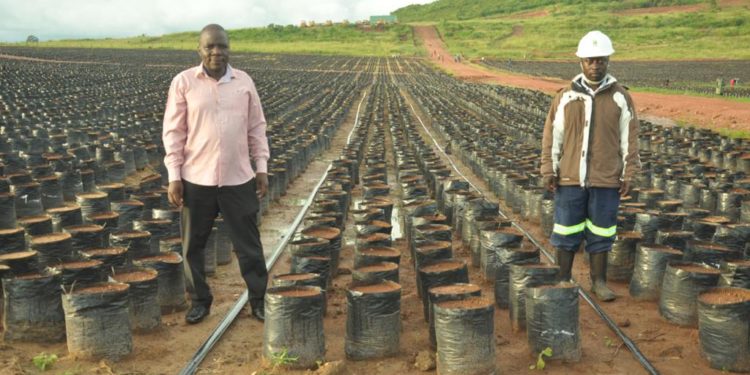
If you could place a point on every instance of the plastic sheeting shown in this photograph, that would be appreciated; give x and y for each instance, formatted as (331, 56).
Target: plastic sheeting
(648, 272)
(32, 309)
(724, 331)
(294, 324)
(145, 311)
(171, 280)
(523, 276)
(465, 335)
(450, 292)
(373, 324)
(735, 274)
(89, 309)
(552, 321)
(621, 259)
(683, 281)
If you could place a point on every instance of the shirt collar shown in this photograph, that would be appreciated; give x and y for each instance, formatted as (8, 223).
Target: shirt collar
(228, 75)
(606, 82)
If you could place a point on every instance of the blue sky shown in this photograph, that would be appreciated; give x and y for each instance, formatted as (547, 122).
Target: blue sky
(62, 19)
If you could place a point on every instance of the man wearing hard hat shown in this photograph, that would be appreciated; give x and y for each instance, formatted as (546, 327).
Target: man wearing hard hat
(589, 159)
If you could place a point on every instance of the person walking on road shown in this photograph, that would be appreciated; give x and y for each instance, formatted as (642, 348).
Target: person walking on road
(589, 159)
(213, 126)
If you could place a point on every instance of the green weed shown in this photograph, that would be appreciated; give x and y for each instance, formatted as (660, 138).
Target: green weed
(43, 361)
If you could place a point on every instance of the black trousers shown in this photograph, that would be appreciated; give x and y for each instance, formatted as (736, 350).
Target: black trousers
(239, 206)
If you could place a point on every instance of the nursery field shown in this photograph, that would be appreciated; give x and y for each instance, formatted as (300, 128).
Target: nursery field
(389, 179)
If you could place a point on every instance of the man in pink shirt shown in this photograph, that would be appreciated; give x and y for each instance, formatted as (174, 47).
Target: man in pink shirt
(213, 126)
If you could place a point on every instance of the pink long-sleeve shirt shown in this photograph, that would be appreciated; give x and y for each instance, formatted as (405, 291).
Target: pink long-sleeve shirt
(212, 129)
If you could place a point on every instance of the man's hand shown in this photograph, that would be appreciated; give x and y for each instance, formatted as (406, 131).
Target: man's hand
(624, 188)
(261, 184)
(549, 183)
(175, 193)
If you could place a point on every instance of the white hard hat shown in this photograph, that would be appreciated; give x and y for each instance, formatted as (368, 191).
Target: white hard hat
(594, 44)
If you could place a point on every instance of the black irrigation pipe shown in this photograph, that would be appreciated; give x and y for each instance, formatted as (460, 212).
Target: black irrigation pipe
(192, 366)
(630, 344)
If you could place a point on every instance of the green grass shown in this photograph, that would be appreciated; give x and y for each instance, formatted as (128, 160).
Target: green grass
(476, 30)
(472, 9)
(735, 134)
(657, 90)
(332, 40)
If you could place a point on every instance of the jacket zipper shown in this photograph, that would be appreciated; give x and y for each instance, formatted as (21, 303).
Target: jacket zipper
(586, 183)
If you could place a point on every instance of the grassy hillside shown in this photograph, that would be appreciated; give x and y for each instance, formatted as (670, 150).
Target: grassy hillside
(471, 9)
(540, 29)
(337, 39)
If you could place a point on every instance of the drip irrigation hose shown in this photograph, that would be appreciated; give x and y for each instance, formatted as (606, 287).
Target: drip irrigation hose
(192, 366)
(603, 315)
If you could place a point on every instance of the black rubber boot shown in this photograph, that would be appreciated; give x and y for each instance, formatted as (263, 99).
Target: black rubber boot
(598, 263)
(565, 262)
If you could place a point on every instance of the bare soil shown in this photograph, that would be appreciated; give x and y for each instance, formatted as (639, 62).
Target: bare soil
(725, 296)
(34, 219)
(455, 289)
(381, 252)
(384, 287)
(102, 288)
(17, 255)
(432, 246)
(135, 277)
(327, 233)
(470, 303)
(78, 265)
(297, 292)
(704, 112)
(443, 266)
(85, 228)
(45, 239)
(379, 267)
(106, 251)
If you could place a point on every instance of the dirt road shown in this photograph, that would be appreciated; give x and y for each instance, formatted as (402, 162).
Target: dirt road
(705, 112)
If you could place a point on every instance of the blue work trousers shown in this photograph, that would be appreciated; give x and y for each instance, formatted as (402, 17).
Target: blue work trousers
(585, 214)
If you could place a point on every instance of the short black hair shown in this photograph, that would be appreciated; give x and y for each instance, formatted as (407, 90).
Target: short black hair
(213, 27)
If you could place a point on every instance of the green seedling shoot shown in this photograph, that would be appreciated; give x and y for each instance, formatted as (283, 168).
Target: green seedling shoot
(43, 361)
(540, 364)
(282, 358)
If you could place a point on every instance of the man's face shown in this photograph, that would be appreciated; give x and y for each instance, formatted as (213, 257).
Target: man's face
(213, 48)
(595, 68)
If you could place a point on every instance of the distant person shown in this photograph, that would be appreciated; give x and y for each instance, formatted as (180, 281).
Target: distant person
(732, 82)
(589, 160)
(212, 122)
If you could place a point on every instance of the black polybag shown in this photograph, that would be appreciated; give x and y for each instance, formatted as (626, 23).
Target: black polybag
(294, 325)
(465, 338)
(373, 324)
(87, 313)
(466, 291)
(678, 302)
(552, 321)
(32, 310)
(735, 274)
(523, 276)
(650, 263)
(429, 276)
(724, 333)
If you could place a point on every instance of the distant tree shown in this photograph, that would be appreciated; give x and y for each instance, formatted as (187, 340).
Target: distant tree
(32, 39)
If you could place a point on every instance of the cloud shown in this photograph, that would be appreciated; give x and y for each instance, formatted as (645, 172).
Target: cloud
(62, 19)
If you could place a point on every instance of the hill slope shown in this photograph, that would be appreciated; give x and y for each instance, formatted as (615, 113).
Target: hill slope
(336, 40)
(544, 29)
